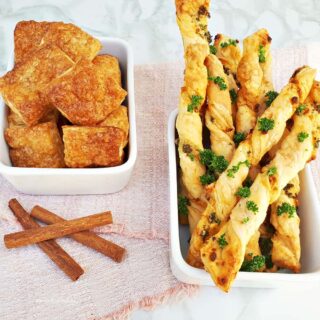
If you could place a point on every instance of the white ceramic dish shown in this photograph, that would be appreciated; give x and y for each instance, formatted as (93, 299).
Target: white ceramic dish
(310, 235)
(77, 181)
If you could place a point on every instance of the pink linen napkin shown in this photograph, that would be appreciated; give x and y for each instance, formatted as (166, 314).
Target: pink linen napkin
(31, 287)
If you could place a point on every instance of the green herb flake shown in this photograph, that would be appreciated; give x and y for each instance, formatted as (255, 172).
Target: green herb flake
(234, 169)
(270, 95)
(230, 42)
(265, 124)
(252, 206)
(222, 242)
(286, 208)
(191, 156)
(207, 179)
(213, 49)
(272, 171)
(243, 192)
(253, 265)
(218, 81)
(301, 108)
(238, 137)
(262, 54)
(245, 220)
(215, 164)
(302, 136)
(195, 103)
(183, 203)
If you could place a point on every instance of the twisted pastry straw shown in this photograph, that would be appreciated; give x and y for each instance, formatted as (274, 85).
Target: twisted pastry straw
(223, 259)
(286, 248)
(223, 197)
(218, 115)
(230, 56)
(254, 76)
(192, 20)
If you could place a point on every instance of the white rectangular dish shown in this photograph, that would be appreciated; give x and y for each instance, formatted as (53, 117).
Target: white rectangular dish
(310, 235)
(77, 181)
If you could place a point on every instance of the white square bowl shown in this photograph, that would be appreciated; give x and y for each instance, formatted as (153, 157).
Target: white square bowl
(67, 181)
(310, 235)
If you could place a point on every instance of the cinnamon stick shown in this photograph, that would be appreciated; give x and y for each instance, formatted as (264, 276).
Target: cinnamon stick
(60, 257)
(87, 238)
(56, 230)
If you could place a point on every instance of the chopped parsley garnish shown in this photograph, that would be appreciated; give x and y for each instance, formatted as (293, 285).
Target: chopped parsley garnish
(262, 54)
(238, 137)
(212, 218)
(245, 220)
(286, 208)
(301, 108)
(265, 124)
(233, 95)
(270, 95)
(235, 169)
(207, 179)
(191, 156)
(252, 206)
(215, 164)
(253, 265)
(230, 42)
(243, 192)
(302, 136)
(195, 103)
(272, 171)
(222, 242)
(219, 81)
(213, 49)
(183, 203)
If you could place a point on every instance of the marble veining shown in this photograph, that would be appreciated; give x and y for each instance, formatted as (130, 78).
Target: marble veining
(150, 27)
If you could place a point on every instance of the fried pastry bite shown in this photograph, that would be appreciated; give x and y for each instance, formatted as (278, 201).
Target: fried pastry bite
(110, 65)
(24, 84)
(39, 146)
(15, 120)
(93, 146)
(77, 44)
(118, 119)
(85, 95)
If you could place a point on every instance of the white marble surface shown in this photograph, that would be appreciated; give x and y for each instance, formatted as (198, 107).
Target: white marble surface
(149, 26)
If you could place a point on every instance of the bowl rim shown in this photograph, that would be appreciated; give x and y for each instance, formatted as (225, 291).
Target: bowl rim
(186, 273)
(132, 153)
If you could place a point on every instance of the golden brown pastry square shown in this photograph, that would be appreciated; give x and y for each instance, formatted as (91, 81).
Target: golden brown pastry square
(15, 120)
(23, 85)
(110, 65)
(39, 146)
(85, 95)
(118, 119)
(76, 43)
(93, 146)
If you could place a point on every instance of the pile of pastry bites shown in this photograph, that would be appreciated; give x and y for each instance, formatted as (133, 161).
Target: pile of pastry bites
(241, 146)
(64, 100)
